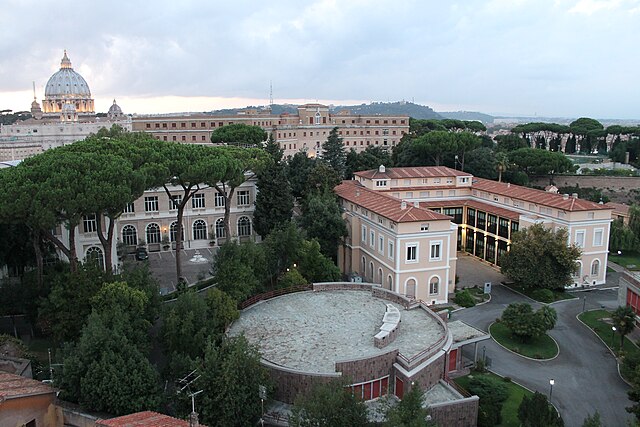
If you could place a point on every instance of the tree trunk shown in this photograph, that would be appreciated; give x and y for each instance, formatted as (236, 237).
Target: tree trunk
(57, 243)
(179, 243)
(227, 208)
(107, 242)
(35, 240)
(73, 256)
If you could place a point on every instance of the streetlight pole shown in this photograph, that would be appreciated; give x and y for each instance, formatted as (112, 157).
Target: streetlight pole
(584, 302)
(613, 334)
(551, 383)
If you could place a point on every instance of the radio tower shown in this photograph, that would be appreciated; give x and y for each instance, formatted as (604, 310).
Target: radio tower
(270, 95)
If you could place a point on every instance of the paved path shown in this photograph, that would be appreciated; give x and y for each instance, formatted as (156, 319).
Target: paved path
(585, 373)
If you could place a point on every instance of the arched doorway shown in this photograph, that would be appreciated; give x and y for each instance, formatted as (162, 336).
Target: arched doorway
(411, 288)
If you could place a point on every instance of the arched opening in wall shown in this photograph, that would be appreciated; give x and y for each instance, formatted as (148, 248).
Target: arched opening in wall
(595, 267)
(363, 272)
(153, 233)
(199, 230)
(371, 271)
(129, 235)
(390, 282)
(173, 228)
(411, 288)
(434, 286)
(244, 226)
(220, 231)
(380, 279)
(95, 255)
(577, 274)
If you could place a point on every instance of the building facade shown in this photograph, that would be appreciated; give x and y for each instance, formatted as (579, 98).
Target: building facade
(304, 131)
(482, 214)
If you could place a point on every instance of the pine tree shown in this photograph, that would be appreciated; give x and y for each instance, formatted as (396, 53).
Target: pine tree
(333, 153)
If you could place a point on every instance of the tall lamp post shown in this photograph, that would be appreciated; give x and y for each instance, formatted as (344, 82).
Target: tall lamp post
(551, 383)
(613, 334)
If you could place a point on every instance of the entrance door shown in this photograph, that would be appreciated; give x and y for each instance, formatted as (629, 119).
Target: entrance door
(399, 388)
(453, 357)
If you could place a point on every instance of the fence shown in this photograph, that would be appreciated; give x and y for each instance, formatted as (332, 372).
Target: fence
(272, 294)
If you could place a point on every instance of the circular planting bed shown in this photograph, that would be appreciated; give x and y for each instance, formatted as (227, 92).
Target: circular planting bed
(541, 348)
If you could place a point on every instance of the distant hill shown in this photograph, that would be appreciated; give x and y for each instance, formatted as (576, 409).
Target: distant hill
(400, 108)
(467, 115)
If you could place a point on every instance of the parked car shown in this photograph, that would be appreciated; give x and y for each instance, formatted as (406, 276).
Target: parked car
(141, 254)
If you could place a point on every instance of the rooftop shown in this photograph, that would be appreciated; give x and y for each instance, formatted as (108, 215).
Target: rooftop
(144, 419)
(384, 205)
(416, 172)
(311, 331)
(505, 213)
(14, 386)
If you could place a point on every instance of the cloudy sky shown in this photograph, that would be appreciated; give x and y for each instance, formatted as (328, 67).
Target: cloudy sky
(551, 58)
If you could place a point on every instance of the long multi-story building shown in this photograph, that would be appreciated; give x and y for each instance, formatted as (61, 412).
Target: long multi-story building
(409, 223)
(305, 131)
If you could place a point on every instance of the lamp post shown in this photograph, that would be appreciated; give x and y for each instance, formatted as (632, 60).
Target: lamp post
(584, 302)
(484, 350)
(613, 334)
(551, 383)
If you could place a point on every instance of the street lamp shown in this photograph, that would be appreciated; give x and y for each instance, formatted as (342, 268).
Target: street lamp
(584, 302)
(613, 334)
(551, 383)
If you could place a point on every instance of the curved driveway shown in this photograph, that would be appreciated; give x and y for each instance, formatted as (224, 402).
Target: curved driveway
(585, 373)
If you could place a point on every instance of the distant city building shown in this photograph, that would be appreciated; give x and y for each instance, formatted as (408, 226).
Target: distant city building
(305, 131)
(406, 226)
(68, 116)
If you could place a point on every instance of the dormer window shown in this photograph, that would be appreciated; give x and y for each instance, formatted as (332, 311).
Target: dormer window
(381, 183)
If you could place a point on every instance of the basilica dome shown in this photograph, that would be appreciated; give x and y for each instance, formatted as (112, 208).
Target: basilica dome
(67, 86)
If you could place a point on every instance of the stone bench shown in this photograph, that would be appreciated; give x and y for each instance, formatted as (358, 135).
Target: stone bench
(389, 328)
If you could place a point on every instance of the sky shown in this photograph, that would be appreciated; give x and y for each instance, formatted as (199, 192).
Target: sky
(562, 58)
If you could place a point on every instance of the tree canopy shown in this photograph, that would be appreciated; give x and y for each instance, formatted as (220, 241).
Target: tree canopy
(239, 134)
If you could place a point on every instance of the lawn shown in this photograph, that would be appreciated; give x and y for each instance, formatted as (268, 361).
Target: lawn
(543, 347)
(628, 259)
(557, 295)
(593, 319)
(478, 294)
(510, 407)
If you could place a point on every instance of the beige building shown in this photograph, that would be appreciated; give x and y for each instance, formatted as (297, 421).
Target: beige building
(389, 206)
(305, 131)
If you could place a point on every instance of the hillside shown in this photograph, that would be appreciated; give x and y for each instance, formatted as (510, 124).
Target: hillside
(467, 115)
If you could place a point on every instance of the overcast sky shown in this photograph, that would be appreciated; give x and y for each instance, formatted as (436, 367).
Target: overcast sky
(551, 58)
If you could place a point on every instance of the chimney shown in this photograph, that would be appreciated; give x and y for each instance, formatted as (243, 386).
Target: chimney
(382, 169)
(574, 195)
(416, 204)
(403, 205)
(508, 185)
(357, 193)
(565, 197)
(193, 420)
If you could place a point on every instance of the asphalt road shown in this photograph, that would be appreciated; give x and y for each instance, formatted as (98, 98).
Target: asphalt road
(585, 372)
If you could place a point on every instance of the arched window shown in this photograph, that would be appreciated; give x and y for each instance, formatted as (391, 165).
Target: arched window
(578, 272)
(244, 226)
(595, 267)
(364, 267)
(380, 276)
(371, 271)
(153, 233)
(129, 235)
(94, 254)
(390, 282)
(434, 285)
(173, 228)
(199, 230)
(220, 232)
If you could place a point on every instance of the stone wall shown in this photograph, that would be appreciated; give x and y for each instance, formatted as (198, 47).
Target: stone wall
(612, 183)
(367, 369)
(341, 286)
(388, 295)
(426, 377)
(289, 382)
(460, 413)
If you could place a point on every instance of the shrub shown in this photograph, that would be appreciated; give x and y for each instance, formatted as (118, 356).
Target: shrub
(481, 367)
(492, 393)
(464, 299)
(543, 295)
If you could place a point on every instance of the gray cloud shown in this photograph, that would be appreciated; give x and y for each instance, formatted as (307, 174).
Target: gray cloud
(551, 57)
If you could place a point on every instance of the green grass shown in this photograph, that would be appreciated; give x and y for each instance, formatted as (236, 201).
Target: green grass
(593, 320)
(543, 347)
(557, 295)
(629, 259)
(510, 407)
(478, 294)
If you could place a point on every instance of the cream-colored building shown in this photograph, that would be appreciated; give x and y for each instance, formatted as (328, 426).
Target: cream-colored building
(483, 215)
(305, 131)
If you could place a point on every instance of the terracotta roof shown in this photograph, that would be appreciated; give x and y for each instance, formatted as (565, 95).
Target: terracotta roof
(384, 205)
(539, 197)
(14, 386)
(417, 172)
(144, 419)
(618, 208)
(504, 213)
(428, 187)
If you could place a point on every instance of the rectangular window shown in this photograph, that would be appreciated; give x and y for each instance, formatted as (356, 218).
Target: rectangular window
(174, 202)
(372, 238)
(424, 227)
(492, 224)
(412, 252)
(435, 253)
(471, 217)
(503, 228)
(89, 224)
(197, 202)
(243, 198)
(151, 204)
(580, 238)
(381, 244)
(364, 234)
(129, 208)
(409, 194)
(391, 254)
(219, 200)
(381, 183)
(597, 237)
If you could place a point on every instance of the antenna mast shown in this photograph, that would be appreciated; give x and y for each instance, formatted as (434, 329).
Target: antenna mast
(270, 94)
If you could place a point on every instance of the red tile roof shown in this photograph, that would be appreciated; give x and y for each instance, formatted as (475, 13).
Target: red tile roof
(144, 419)
(417, 172)
(14, 386)
(539, 197)
(384, 205)
(619, 208)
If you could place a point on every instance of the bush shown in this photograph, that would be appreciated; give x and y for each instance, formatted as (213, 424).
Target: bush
(543, 295)
(492, 393)
(464, 299)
